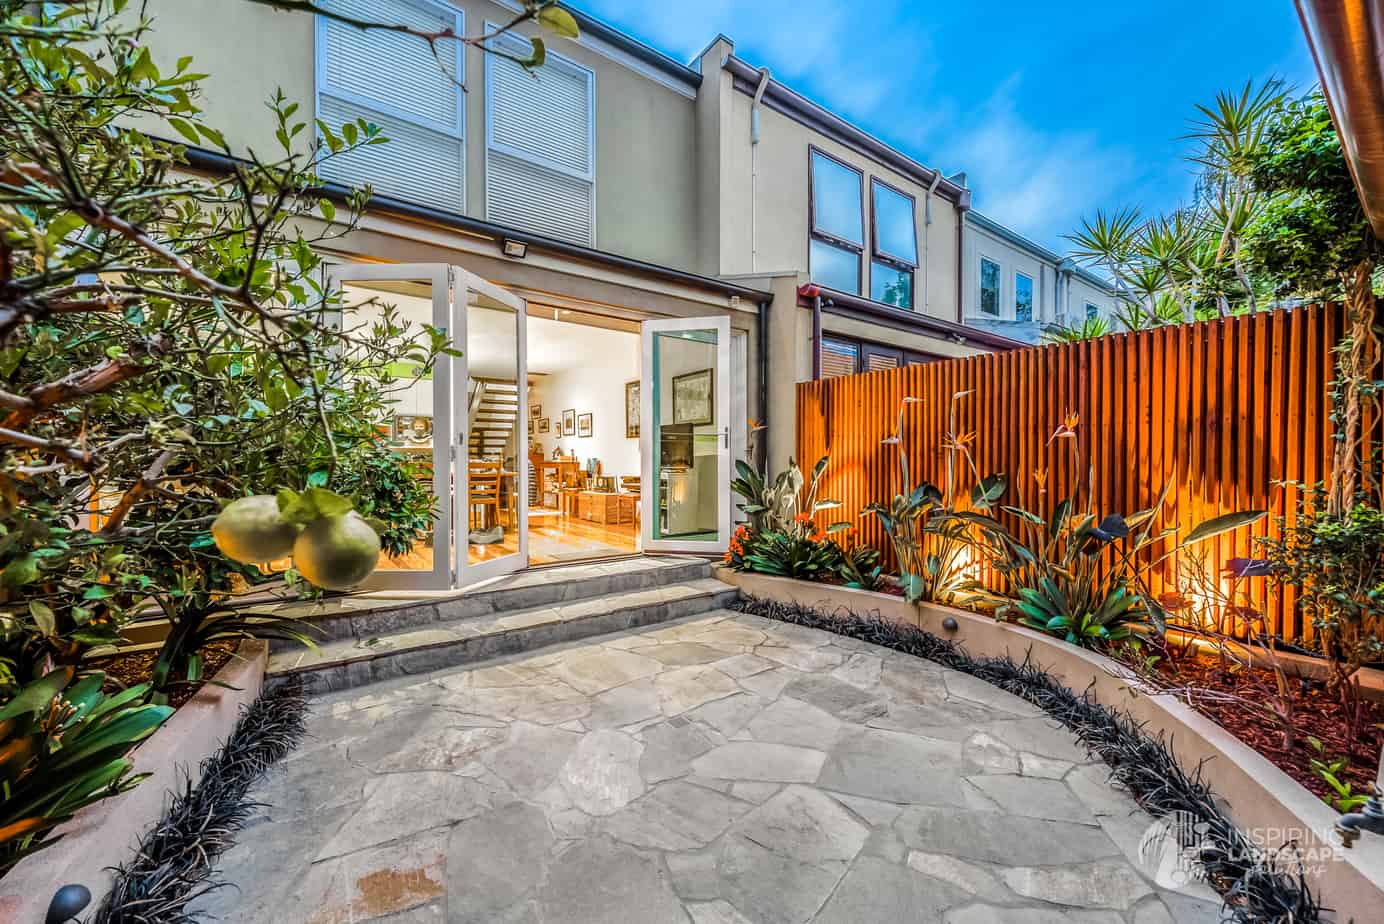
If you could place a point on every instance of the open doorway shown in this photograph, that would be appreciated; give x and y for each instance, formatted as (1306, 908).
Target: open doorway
(584, 436)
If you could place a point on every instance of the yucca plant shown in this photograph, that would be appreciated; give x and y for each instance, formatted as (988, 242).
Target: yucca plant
(932, 529)
(65, 744)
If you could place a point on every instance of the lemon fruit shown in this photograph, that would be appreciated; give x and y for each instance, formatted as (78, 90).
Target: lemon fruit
(251, 530)
(337, 552)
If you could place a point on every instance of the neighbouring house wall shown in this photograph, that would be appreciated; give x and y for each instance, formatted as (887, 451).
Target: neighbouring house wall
(1082, 292)
(646, 151)
(980, 243)
(772, 199)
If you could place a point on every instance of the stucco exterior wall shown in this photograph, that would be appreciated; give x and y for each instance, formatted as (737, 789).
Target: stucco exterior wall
(764, 206)
(1082, 292)
(645, 137)
(980, 243)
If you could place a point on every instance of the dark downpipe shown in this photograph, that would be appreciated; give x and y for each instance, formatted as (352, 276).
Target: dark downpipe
(762, 445)
(817, 338)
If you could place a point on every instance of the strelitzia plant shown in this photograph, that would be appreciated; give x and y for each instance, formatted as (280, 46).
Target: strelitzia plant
(932, 529)
(1085, 578)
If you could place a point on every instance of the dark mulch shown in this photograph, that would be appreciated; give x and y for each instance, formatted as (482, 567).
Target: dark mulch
(1256, 887)
(1207, 683)
(132, 667)
(174, 862)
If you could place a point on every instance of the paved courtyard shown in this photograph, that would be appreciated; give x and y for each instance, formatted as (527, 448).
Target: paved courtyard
(715, 770)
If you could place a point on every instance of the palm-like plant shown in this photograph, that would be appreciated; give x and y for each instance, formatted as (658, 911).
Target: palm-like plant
(1088, 329)
(1108, 240)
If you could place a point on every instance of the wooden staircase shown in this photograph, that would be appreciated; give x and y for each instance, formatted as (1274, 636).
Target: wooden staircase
(492, 409)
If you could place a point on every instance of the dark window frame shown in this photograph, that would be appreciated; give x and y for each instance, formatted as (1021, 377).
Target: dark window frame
(1032, 294)
(1092, 315)
(883, 257)
(864, 349)
(826, 237)
(980, 287)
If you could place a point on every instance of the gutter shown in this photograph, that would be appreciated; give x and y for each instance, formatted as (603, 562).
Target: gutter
(802, 110)
(1347, 41)
(818, 299)
(217, 163)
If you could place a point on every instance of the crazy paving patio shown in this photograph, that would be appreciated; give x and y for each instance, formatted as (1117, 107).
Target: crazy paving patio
(720, 768)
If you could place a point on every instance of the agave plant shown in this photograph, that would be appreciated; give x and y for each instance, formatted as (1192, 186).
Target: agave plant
(1088, 329)
(1086, 578)
(934, 530)
(859, 568)
(64, 744)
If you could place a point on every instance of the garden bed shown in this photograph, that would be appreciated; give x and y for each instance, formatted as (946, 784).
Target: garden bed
(107, 833)
(129, 668)
(1263, 800)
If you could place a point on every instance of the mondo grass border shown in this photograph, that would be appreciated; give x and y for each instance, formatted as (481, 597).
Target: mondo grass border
(174, 863)
(1255, 887)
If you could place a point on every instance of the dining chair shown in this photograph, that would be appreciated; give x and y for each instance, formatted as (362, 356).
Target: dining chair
(485, 492)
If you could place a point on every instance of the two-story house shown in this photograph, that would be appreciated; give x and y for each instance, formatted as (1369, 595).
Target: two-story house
(635, 257)
(1018, 288)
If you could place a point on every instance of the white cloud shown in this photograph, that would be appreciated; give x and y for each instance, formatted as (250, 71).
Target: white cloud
(1036, 181)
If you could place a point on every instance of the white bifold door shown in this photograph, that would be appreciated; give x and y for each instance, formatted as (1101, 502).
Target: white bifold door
(684, 434)
(463, 423)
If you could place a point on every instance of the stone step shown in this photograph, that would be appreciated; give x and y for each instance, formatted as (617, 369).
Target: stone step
(359, 618)
(344, 663)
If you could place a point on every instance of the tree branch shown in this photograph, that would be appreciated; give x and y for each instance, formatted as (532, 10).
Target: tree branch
(79, 457)
(86, 382)
(149, 481)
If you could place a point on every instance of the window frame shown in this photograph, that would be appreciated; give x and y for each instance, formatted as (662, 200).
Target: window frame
(856, 346)
(1032, 298)
(982, 259)
(563, 63)
(589, 175)
(877, 252)
(1090, 313)
(826, 237)
(322, 85)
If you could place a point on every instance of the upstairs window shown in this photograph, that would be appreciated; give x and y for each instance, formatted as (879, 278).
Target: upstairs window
(395, 81)
(989, 287)
(1092, 311)
(1023, 297)
(540, 146)
(895, 245)
(837, 223)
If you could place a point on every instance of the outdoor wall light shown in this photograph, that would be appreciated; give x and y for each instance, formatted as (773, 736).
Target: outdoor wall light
(516, 249)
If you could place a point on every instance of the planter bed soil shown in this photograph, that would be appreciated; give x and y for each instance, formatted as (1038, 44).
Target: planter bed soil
(132, 667)
(1234, 700)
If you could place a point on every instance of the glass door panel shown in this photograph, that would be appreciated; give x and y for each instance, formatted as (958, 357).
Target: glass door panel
(685, 434)
(491, 396)
(417, 424)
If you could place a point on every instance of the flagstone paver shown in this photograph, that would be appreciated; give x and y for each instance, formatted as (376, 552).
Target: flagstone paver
(720, 769)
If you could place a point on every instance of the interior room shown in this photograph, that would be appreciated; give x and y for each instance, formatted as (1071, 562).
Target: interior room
(584, 435)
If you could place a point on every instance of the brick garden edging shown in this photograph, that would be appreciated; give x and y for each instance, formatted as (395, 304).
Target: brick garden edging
(107, 833)
(1265, 798)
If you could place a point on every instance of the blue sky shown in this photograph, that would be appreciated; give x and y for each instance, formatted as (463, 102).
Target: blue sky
(1052, 109)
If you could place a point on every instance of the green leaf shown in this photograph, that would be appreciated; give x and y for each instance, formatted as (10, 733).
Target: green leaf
(184, 128)
(23, 570)
(44, 618)
(327, 503)
(1222, 524)
(558, 21)
(37, 695)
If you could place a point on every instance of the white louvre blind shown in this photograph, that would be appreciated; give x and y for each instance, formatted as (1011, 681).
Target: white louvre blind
(396, 82)
(540, 166)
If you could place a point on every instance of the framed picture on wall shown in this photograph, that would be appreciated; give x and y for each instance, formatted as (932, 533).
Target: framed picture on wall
(693, 399)
(632, 410)
(569, 422)
(535, 411)
(583, 425)
(542, 425)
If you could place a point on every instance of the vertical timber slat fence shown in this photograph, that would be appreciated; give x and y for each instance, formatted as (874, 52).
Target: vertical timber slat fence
(1230, 412)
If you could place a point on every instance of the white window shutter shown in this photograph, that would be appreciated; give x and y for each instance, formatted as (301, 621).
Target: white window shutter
(395, 81)
(540, 163)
